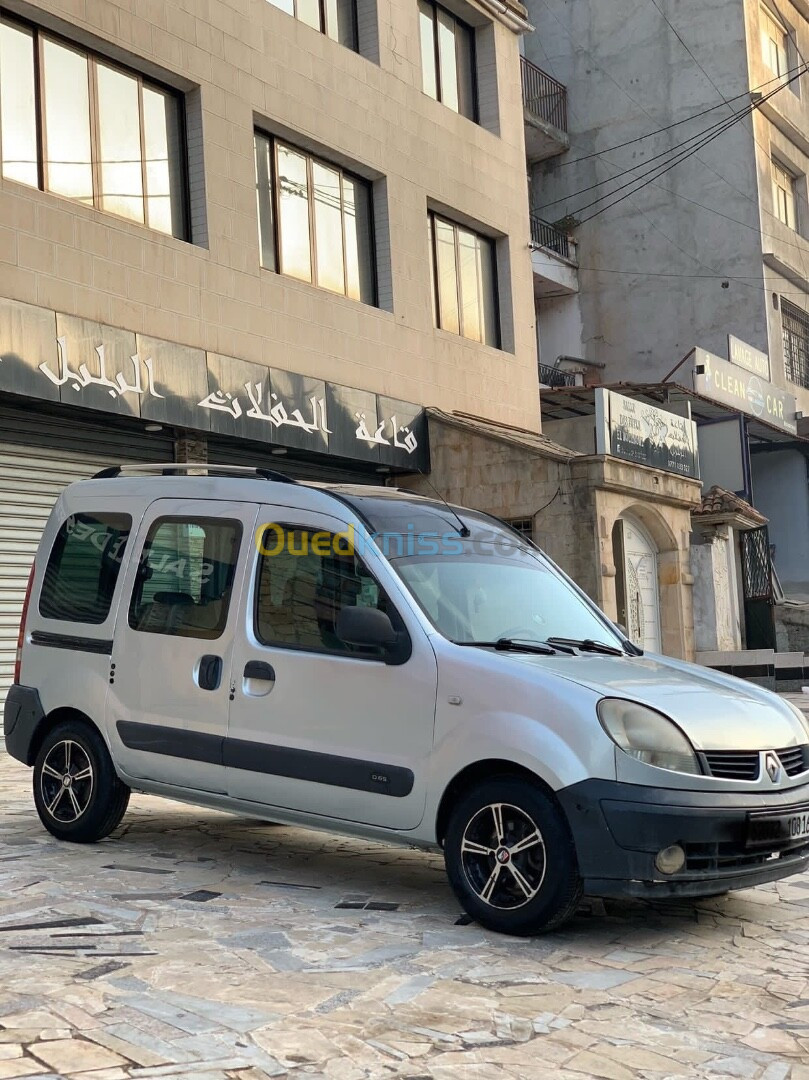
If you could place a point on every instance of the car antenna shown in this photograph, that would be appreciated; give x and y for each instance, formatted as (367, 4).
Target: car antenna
(464, 529)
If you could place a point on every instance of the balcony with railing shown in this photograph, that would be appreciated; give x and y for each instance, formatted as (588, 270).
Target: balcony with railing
(554, 376)
(553, 258)
(544, 112)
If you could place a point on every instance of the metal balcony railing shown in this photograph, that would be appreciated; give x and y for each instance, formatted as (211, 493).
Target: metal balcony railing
(548, 236)
(543, 96)
(552, 376)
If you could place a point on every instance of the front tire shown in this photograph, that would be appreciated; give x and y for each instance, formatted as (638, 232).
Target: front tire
(77, 792)
(510, 858)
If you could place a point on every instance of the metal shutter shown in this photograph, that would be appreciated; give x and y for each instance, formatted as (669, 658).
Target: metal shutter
(223, 452)
(39, 456)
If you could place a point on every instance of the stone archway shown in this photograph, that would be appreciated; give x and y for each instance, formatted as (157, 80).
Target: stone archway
(636, 558)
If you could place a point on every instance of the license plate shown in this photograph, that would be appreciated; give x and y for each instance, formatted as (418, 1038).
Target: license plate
(778, 829)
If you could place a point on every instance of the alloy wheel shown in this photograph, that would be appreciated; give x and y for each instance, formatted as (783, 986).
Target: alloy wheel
(66, 781)
(503, 856)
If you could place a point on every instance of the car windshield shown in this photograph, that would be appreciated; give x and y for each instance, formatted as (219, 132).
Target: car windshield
(483, 595)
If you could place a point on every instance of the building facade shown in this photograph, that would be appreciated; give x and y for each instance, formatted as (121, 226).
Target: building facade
(684, 189)
(265, 231)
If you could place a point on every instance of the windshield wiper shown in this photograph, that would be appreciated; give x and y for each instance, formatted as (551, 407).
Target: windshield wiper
(587, 645)
(513, 645)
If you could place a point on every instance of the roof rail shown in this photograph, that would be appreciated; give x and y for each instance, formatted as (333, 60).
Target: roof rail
(176, 468)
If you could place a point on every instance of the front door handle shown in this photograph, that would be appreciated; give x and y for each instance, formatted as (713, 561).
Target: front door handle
(257, 669)
(209, 672)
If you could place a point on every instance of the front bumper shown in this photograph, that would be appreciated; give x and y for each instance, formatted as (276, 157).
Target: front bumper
(619, 828)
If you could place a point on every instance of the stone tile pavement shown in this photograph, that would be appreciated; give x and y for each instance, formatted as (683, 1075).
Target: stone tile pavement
(197, 945)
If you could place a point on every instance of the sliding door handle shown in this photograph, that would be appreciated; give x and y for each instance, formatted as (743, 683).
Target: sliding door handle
(257, 669)
(209, 672)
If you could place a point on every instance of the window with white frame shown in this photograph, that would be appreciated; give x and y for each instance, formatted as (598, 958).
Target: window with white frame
(464, 281)
(774, 42)
(315, 220)
(447, 59)
(79, 126)
(336, 19)
(783, 194)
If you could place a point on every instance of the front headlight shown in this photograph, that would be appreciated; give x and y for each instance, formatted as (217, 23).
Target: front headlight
(647, 735)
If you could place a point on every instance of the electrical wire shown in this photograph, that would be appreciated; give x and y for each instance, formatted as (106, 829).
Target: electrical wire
(669, 127)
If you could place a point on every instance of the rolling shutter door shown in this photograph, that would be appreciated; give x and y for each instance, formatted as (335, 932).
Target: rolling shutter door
(39, 456)
(223, 452)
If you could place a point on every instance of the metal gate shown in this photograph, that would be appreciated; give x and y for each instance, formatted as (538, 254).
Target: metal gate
(757, 588)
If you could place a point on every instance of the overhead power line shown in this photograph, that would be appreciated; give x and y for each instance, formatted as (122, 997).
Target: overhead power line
(677, 123)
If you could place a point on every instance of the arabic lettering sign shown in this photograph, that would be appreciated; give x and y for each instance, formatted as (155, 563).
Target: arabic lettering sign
(727, 383)
(752, 360)
(78, 362)
(639, 432)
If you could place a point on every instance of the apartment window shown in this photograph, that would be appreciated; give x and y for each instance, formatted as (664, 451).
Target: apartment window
(783, 194)
(77, 126)
(336, 19)
(447, 59)
(774, 43)
(315, 220)
(795, 329)
(464, 284)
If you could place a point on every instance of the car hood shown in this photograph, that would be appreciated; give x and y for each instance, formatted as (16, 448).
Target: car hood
(716, 711)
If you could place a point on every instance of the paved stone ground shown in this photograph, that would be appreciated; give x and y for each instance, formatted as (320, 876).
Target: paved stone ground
(203, 946)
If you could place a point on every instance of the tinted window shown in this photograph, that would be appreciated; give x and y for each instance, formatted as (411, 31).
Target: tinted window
(83, 567)
(185, 577)
(305, 578)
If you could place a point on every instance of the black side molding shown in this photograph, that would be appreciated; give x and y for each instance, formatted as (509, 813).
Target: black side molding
(171, 742)
(70, 641)
(317, 768)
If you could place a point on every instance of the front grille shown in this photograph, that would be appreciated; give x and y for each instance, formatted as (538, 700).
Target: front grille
(709, 858)
(795, 759)
(746, 764)
(733, 764)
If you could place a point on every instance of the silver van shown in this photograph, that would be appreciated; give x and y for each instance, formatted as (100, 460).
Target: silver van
(372, 662)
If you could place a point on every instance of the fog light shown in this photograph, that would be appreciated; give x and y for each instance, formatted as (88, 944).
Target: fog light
(670, 859)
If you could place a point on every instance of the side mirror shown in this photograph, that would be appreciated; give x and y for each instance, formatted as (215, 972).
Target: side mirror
(370, 628)
(365, 626)
(622, 628)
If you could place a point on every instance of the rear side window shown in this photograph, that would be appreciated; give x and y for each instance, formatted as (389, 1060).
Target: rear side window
(83, 567)
(185, 577)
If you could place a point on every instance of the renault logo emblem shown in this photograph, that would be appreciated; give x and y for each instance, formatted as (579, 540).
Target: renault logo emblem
(773, 767)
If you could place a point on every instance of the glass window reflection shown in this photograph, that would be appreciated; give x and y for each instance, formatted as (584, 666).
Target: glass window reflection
(315, 221)
(18, 123)
(120, 158)
(466, 286)
(68, 158)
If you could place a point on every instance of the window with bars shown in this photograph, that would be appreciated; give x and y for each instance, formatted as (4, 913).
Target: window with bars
(315, 220)
(464, 281)
(336, 19)
(447, 59)
(795, 329)
(79, 126)
(524, 526)
(783, 194)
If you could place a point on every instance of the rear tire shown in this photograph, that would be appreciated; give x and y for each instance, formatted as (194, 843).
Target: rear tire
(77, 792)
(510, 858)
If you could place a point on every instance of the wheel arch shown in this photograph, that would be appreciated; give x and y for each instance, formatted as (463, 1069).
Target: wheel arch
(470, 775)
(52, 720)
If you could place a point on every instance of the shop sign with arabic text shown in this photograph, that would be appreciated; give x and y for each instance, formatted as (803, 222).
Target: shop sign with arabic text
(64, 359)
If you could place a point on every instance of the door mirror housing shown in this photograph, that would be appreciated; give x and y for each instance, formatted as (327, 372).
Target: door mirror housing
(368, 627)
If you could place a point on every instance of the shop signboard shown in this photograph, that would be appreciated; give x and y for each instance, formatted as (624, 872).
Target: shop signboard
(753, 360)
(84, 364)
(734, 385)
(636, 431)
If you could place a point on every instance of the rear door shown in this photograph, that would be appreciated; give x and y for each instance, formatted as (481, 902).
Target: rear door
(167, 706)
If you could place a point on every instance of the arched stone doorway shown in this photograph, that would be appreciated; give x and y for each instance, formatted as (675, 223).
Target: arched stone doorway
(637, 582)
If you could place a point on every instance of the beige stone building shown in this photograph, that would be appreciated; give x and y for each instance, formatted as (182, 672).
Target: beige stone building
(266, 230)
